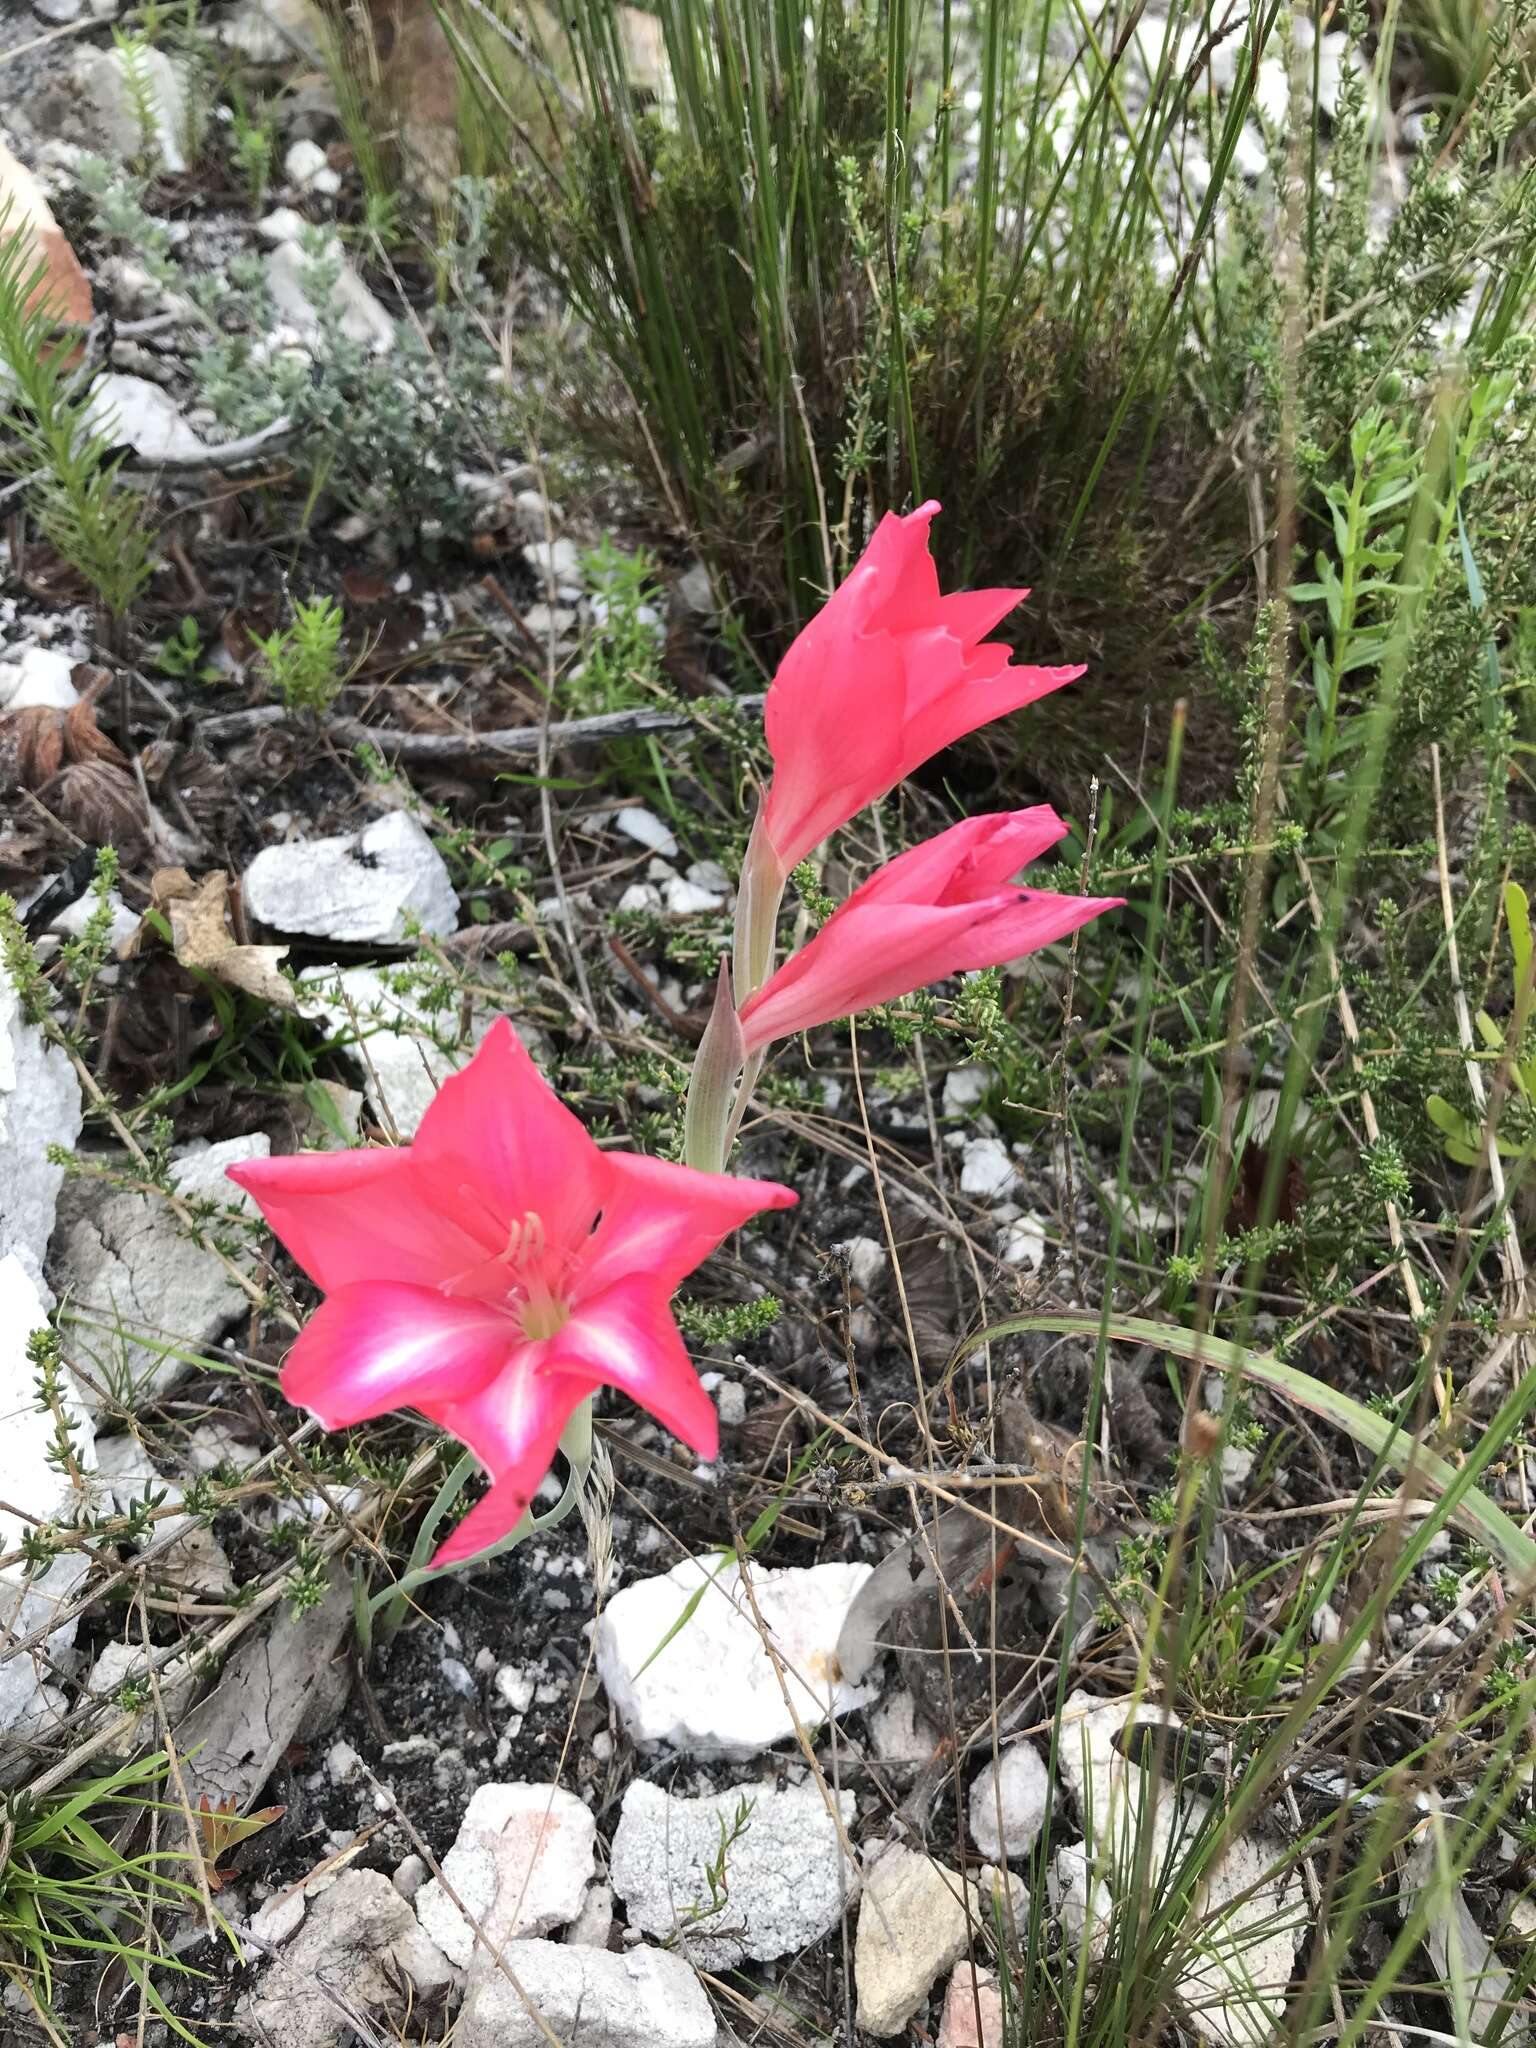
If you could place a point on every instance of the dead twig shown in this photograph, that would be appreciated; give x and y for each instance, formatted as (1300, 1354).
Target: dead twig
(519, 742)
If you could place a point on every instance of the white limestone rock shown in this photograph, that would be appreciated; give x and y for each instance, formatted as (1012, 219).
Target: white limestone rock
(972, 1993)
(393, 1039)
(133, 413)
(987, 1172)
(647, 830)
(42, 678)
(71, 921)
(39, 1109)
(1081, 1899)
(708, 874)
(117, 1663)
(1019, 1786)
(359, 1950)
(520, 1865)
(282, 224)
(269, 32)
(713, 1688)
(594, 1923)
(898, 1733)
(642, 1999)
(33, 1490)
(276, 1920)
(556, 561)
(694, 592)
(150, 1292)
(964, 1088)
(185, 1553)
(290, 280)
(361, 886)
(687, 899)
(1022, 1243)
(787, 1878)
(913, 1927)
(867, 1260)
(308, 169)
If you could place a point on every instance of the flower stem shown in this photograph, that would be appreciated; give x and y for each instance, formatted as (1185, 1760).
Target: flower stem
(716, 1065)
(758, 896)
(718, 1089)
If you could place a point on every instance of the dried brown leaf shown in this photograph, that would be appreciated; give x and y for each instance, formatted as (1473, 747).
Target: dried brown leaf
(224, 1827)
(39, 740)
(83, 738)
(100, 801)
(31, 747)
(202, 940)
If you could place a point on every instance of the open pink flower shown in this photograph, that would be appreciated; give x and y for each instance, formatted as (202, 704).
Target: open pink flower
(949, 905)
(495, 1272)
(886, 674)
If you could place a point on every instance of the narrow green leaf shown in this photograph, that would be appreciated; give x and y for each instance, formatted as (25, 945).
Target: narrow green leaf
(1497, 1532)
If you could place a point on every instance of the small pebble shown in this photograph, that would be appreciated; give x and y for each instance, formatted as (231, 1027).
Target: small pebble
(307, 167)
(687, 899)
(460, 1677)
(867, 1261)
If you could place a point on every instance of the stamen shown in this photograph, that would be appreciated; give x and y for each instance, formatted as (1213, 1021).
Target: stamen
(543, 1317)
(526, 1241)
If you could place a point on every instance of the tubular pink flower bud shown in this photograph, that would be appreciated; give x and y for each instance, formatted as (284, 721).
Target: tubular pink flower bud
(948, 906)
(495, 1272)
(886, 674)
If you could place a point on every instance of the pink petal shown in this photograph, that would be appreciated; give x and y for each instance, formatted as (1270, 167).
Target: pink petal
(866, 953)
(660, 1221)
(382, 1344)
(898, 560)
(498, 1145)
(350, 1216)
(886, 674)
(972, 703)
(971, 614)
(1034, 918)
(513, 1426)
(626, 1338)
(496, 1514)
(834, 747)
(873, 952)
(986, 850)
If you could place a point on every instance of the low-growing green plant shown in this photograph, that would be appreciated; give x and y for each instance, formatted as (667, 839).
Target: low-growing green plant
(182, 655)
(133, 48)
(621, 664)
(252, 144)
(1459, 42)
(302, 659)
(52, 439)
(385, 432)
(825, 263)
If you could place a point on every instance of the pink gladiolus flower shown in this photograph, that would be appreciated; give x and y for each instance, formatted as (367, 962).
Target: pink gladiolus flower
(495, 1272)
(886, 674)
(949, 905)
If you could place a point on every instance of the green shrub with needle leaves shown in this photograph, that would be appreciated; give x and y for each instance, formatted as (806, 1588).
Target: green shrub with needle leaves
(51, 438)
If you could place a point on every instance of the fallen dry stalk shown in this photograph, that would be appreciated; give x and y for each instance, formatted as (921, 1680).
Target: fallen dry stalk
(517, 742)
